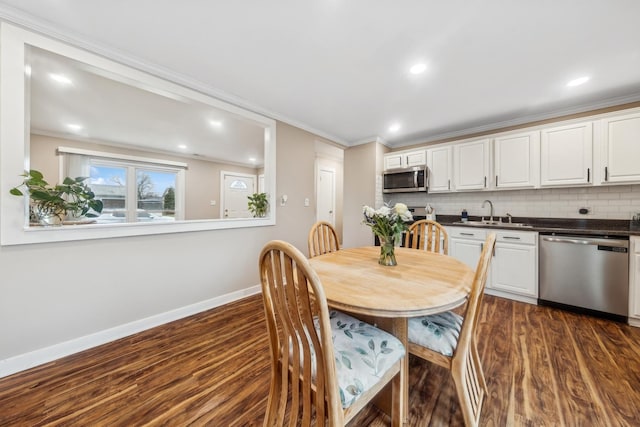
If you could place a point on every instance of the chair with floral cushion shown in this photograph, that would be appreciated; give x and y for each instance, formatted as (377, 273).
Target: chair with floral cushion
(427, 234)
(448, 340)
(323, 239)
(325, 365)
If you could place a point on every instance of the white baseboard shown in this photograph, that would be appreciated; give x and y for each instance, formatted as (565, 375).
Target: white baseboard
(509, 295)
(44, 355)
(634, 322)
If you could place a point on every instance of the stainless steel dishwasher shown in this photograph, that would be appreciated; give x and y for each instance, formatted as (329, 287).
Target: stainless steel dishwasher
(590, 273)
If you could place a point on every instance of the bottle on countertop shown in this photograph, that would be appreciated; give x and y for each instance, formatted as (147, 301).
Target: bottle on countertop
(465, 216)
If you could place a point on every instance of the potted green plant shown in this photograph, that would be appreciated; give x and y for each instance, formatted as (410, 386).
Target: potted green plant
(258, 204)
(51, 204)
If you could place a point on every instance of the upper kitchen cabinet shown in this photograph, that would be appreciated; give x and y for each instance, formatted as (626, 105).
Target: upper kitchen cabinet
(566, 155)
(620, 149)
(440, 164)
(405, 159)
(471, 163)
(516, 160)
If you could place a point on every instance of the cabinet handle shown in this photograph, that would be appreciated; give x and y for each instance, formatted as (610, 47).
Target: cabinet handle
(449, 184)
(511, 237)
(485, 182)
(496, 180)
(588, 174)
(481, 247)
(467, 234)
(606, 173)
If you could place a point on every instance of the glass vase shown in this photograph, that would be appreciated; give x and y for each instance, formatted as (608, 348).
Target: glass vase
(387, 251)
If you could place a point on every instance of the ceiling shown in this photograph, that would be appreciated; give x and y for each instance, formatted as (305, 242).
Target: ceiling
(93, 104)
(340, 68)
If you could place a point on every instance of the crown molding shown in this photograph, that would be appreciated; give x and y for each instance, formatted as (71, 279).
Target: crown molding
(49, 29)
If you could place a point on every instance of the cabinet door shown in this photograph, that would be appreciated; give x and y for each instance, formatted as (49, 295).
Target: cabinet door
(467, 251)
(440, 163)
(415, 158)
(393, 161)
(566, 155)
(516, 160)
(514, 269)
(471, 160)
(621, 149)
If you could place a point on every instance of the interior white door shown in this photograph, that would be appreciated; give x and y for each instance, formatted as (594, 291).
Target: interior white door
(235, 190)
(326, 195)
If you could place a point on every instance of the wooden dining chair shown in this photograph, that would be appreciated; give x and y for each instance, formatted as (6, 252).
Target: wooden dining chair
(427, 234)
(322, 239)
(448, 340)
(325, 365)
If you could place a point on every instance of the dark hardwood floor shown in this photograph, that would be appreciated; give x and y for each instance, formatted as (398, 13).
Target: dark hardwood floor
(544, 367)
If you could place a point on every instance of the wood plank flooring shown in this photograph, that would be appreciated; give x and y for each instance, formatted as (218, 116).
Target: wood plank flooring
(544, 367)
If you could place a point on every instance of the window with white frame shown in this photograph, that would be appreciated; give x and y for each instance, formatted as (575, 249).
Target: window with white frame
(132, 189)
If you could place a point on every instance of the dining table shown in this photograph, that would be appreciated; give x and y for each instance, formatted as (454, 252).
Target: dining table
(421, 283)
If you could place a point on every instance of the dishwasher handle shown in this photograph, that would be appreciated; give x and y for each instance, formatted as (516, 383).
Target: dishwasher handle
(579, 241)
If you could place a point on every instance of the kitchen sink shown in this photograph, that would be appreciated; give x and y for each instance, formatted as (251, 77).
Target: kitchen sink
(487, 223)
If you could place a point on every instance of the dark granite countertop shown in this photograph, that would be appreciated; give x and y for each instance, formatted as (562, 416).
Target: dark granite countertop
(599, 227)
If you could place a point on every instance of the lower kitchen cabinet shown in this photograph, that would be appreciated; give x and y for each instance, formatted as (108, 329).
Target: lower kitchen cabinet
(634, 281)
(514, 266)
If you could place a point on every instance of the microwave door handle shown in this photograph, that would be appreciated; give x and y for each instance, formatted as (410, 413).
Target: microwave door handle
(415, 179)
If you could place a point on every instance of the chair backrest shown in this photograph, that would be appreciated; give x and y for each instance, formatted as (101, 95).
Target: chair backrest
(293, 298)
(427, 234)
(470, 322)
(322, 239)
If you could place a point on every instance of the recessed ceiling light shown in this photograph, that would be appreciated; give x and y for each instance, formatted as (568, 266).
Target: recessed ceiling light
(182, 146)
(578, 81)
(74, 126)
(215, 123)
(394, 127)
(418, 68)
(62, 79)
(27, 70)
(252, 159)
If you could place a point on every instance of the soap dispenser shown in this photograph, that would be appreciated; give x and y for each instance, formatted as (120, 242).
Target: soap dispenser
(465, 216)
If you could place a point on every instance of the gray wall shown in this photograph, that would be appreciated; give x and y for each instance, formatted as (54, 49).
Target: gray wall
(53, 293)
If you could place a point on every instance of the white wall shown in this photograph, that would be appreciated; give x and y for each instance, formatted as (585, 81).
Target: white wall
(55, 298)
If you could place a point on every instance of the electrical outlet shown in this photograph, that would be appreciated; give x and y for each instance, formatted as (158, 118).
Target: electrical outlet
(584, 210)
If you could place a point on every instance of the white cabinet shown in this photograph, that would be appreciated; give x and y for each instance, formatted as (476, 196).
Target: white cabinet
(405, 159)
(634, 281)
(471, 162)
(621, 149)
(513, 272)
(515, 263)
(465, 244)
(440, 164)
(566, 155)
(516, 160)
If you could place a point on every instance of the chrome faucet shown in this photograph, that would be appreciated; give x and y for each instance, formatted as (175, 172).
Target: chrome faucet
(509, 216)
(491, 206)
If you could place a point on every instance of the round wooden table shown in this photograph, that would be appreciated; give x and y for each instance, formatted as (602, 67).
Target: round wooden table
(422, 283)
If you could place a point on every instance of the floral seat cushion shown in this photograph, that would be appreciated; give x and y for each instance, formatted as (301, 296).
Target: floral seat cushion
(363, 353)
(438, 332)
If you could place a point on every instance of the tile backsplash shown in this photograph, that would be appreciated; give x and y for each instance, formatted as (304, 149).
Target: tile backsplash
(603, 202)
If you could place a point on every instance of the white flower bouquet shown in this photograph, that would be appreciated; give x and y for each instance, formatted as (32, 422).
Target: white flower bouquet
(387, 223)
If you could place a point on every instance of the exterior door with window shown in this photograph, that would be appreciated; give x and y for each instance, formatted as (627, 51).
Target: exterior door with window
(236, 188)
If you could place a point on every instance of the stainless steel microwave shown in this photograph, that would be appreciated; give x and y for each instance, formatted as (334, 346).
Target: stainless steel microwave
(405, 180)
